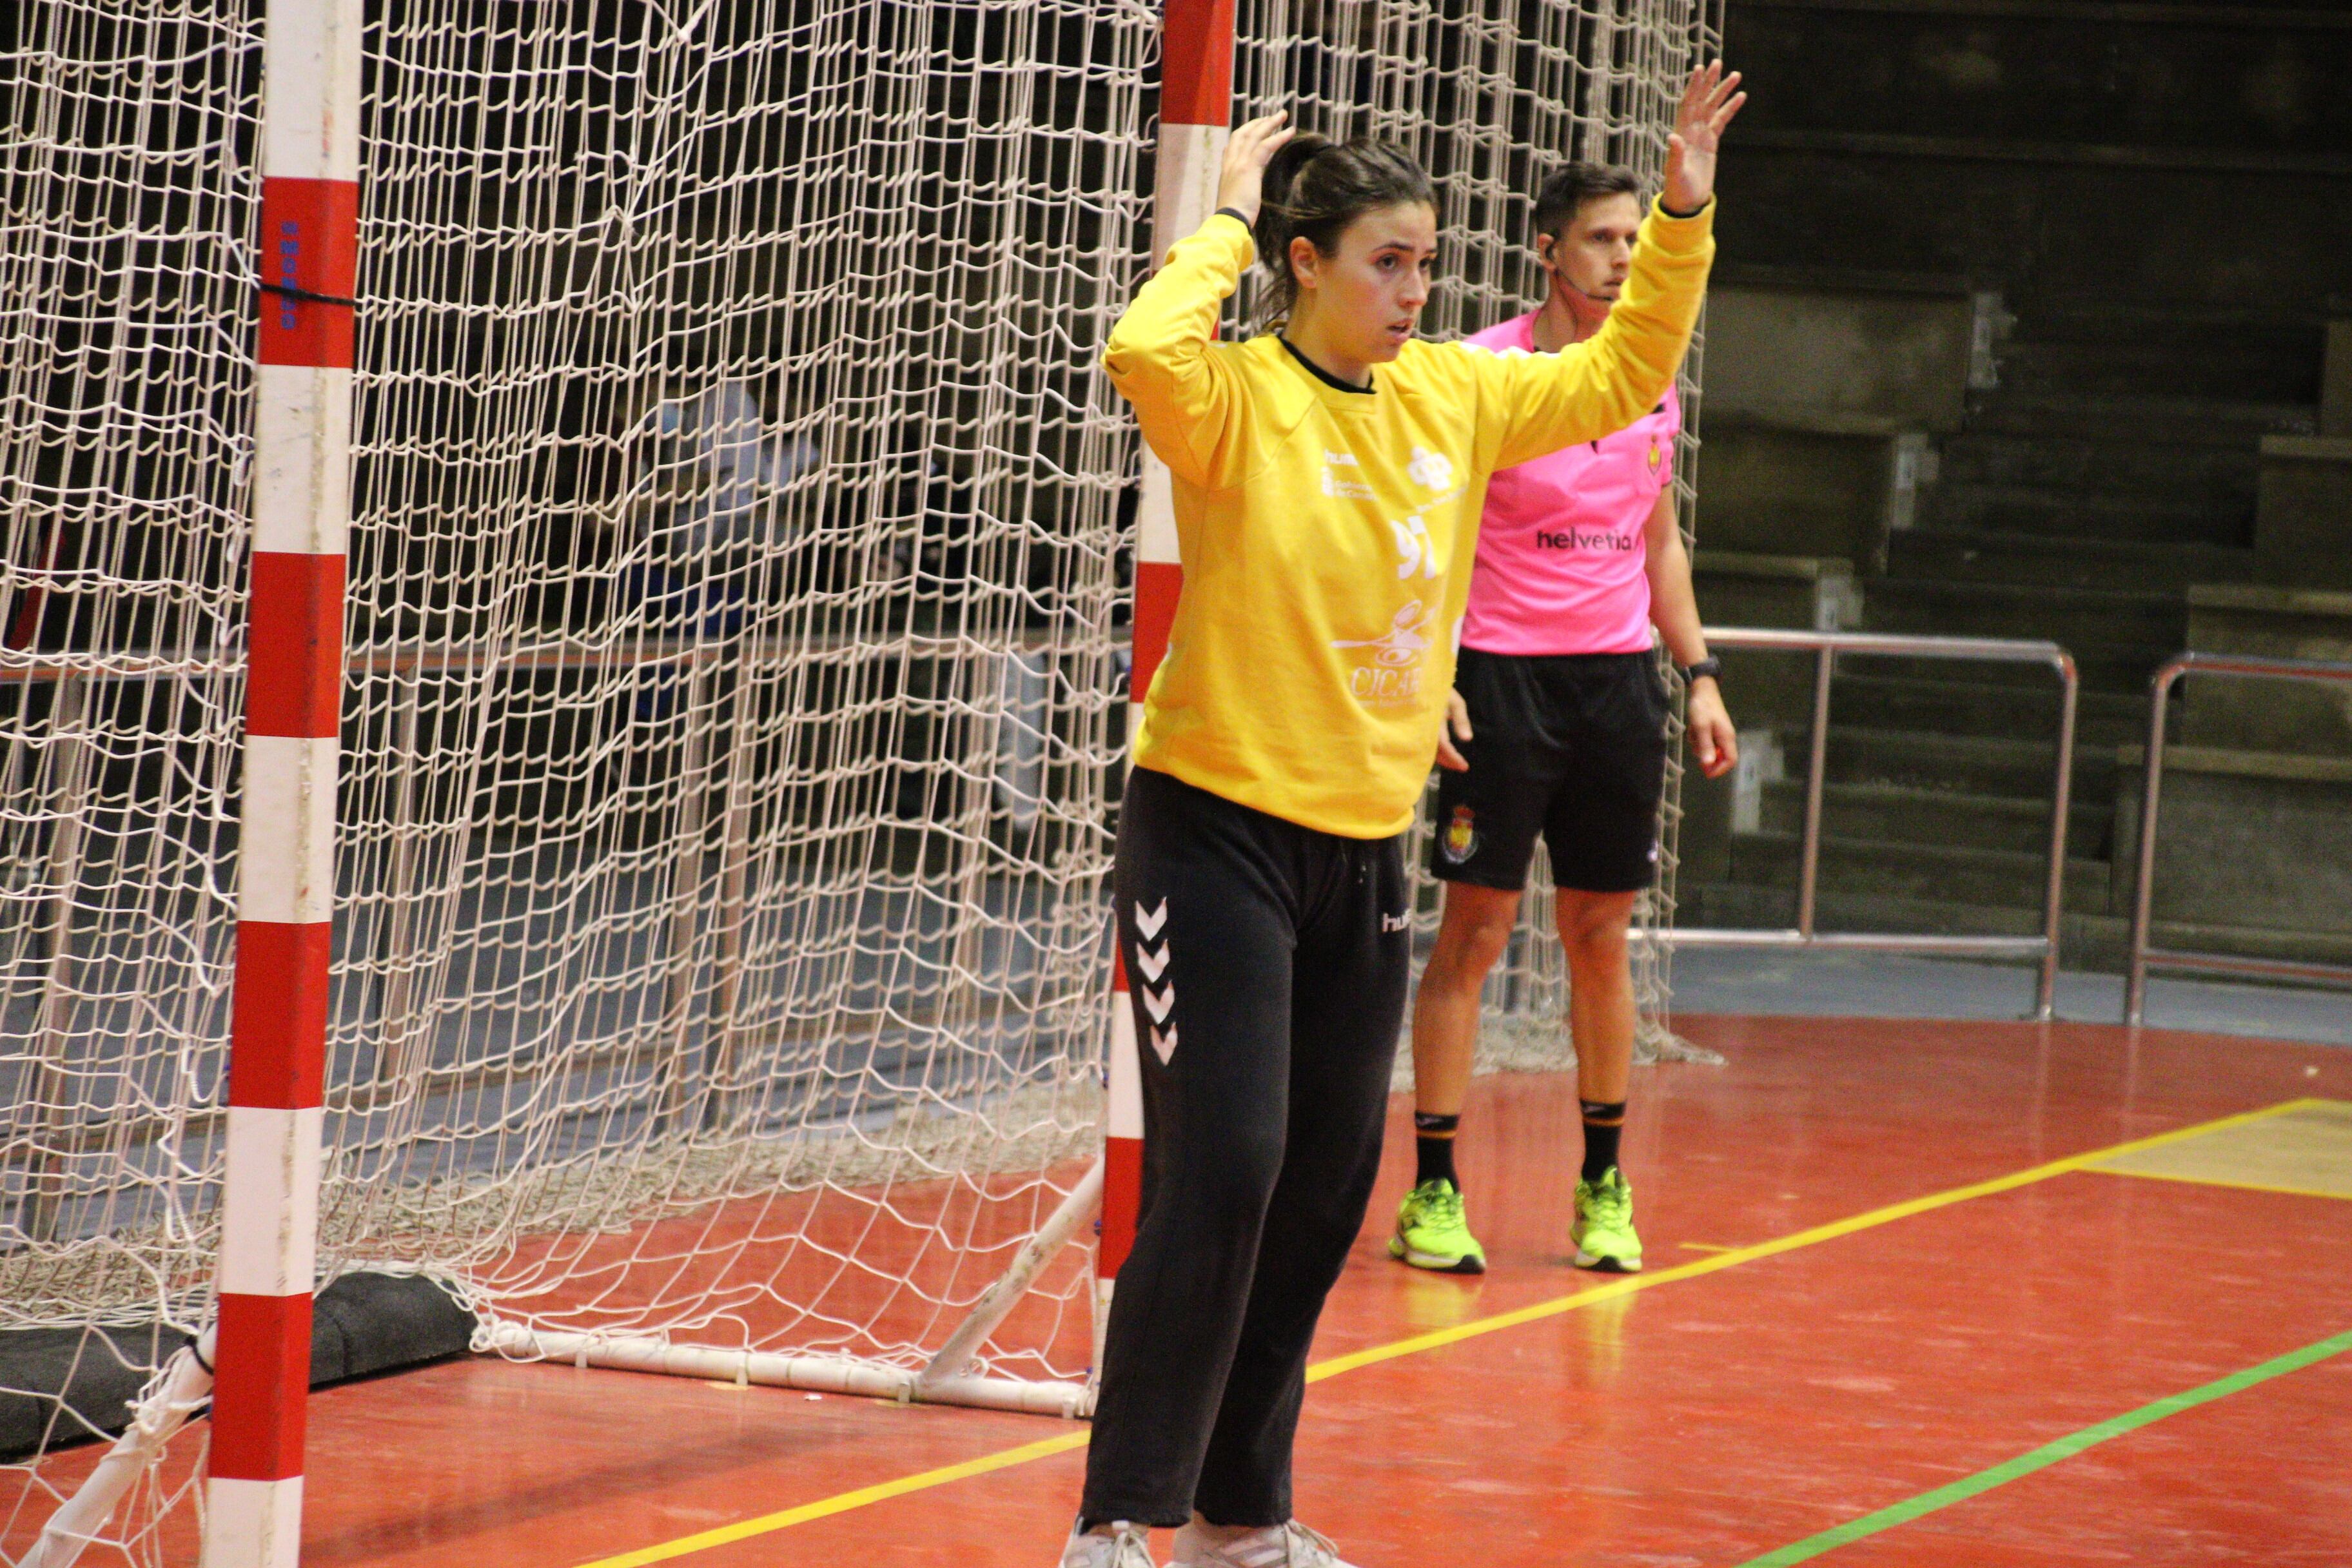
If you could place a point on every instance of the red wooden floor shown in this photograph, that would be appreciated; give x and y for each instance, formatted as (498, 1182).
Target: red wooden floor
(1705, 1420)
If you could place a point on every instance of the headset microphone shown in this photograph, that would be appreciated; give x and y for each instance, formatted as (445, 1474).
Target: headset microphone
(1571, 286)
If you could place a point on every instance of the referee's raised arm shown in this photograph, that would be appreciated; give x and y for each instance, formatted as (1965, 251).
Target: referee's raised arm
(1597, 388)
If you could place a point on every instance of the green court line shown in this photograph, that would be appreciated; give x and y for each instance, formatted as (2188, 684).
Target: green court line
(2049, 1453)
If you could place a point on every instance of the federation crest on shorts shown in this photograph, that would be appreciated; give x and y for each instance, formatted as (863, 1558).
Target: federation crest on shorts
(1460, 839)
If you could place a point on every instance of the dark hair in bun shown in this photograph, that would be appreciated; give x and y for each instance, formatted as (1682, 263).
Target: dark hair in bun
(1316, 188)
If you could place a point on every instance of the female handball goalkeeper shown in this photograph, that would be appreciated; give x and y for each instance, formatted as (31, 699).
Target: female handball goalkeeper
(1329, 477)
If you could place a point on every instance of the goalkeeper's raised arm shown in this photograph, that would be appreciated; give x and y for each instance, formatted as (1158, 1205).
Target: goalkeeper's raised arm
(1161, 354)
(1597, 388)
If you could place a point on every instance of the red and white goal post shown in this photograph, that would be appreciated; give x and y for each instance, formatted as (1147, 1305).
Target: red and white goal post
(1196, 99)
(651, 902)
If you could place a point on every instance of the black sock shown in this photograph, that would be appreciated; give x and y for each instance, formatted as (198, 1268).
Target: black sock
(1433, 1145)
(1602, 1123)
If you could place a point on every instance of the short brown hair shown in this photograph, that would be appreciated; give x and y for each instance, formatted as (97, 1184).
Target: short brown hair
(1567, 188)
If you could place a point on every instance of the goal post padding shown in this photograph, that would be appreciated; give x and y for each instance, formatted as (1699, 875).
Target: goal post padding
(63, 1385)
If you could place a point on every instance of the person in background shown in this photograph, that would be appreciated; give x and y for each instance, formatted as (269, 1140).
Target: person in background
(1558, 724)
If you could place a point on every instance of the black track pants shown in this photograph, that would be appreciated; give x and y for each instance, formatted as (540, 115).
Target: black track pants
(1268, 962)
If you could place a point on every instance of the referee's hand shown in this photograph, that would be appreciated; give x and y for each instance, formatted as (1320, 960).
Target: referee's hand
(1709, 726)
(1456, 728)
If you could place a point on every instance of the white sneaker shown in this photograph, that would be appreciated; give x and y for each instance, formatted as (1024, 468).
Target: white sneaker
(1287, 1545)
(1127, 1546)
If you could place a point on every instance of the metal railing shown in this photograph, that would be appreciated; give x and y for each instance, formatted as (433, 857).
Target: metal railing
(1826, 647)
(2143, 956)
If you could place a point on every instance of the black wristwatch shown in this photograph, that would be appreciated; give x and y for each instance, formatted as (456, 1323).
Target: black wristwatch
(1710, 664)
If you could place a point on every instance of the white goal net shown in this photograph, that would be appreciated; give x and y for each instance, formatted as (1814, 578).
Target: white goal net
(736, 636)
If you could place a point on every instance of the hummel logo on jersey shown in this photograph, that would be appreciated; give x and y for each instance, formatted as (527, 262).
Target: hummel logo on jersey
(1151, 959)
(1395, 922)
(1430, 470)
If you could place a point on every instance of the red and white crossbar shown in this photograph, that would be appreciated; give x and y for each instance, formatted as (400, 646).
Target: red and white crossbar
(307, 255)
(1196, 97)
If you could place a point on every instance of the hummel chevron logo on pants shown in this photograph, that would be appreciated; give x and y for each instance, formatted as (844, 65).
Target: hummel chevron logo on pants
(1261, 1138)
(1153, 964)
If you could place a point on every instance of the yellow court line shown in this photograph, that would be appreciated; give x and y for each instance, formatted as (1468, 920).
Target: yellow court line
(843, 1502)
(1629, 1284)
(2220, 1181)
(1705, 1246)
(1625, 1284)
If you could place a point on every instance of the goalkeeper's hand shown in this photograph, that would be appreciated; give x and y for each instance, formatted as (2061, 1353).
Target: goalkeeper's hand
(1456, 728)
(1248, 152)
(1709, 102)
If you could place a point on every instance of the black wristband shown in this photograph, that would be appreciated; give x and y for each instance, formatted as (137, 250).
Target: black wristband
(1692, 212)
(1228, 212)
(1710, 667)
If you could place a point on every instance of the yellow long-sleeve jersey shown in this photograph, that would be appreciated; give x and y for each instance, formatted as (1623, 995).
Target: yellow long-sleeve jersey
(1327, 534)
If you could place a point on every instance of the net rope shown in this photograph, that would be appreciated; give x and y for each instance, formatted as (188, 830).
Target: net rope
(736, 638)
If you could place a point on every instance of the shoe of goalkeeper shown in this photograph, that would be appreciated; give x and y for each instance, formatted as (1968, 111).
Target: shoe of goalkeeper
(1127, 1546)
(1287, 1546)
(1430, 1232)
(1604, 1225)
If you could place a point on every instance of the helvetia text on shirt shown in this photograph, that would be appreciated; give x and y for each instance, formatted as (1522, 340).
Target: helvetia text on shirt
(1581, 539)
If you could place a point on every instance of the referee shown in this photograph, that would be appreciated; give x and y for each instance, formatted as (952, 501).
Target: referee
(1560, 722)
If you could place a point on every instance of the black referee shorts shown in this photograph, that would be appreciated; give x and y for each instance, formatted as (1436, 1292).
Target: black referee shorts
(1572, 746)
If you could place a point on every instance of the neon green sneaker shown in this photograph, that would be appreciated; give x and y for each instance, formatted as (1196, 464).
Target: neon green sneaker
(1604, 1225)
(1430, 1233)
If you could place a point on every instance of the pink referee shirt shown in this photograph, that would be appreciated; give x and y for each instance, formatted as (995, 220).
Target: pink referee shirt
(1563, 543)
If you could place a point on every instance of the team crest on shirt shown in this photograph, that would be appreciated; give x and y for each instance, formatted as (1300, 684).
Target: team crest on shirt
(1655, 454)
(1430, 470)
(1460, 839)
